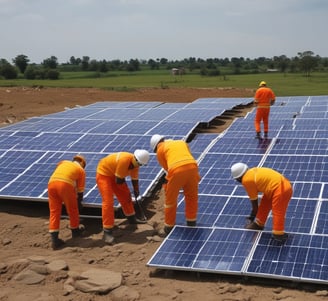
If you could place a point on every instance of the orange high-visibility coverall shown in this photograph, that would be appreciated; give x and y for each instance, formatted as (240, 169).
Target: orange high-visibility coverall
(65, 183)
(118, 165)
(277, 192)
(264, 98)
(182, 172)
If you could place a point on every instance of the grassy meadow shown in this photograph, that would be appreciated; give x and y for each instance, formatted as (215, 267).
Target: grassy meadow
(284, 84)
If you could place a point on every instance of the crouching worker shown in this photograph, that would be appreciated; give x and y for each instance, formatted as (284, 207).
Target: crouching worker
(66, 186)
(111, 173)
(277, 192)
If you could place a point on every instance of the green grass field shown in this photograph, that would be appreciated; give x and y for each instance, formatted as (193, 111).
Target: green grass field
(290, 84)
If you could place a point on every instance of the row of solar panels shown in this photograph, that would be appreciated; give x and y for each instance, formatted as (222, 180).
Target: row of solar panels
(297, 147)
(30, 150)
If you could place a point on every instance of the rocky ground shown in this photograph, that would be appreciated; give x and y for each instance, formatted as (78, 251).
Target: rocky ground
(86, 268)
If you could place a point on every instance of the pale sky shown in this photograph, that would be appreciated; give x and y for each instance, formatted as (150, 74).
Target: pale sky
(151, 29)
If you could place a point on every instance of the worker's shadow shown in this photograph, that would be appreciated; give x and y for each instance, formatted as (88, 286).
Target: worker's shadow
(135, 234)
(263, 144)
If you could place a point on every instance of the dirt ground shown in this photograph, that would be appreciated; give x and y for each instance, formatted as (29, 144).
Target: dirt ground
(24, 235)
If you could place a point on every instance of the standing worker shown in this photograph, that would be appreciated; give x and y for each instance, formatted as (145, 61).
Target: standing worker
(111, 173)
(277, 192)
(181, 173)
(66, 186)
(263, 99)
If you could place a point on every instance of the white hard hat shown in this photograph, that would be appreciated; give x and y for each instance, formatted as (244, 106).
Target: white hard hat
(142, 156)
(154, 140)
(238, 170)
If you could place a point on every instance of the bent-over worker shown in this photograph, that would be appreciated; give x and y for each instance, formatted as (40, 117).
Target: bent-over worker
(111, 173)
(181, 169)
(277, 192)
(66, 186)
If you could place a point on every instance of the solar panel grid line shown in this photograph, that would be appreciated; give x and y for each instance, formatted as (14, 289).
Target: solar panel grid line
(251, 253)
(316, 218)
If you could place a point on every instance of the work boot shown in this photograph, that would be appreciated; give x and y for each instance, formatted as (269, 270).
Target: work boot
(77, 232)
(258, 135)
(108, 237)
(56, 243)
(164, 231)
(133, 220)
(280, 238)
(266, 135)
(254, 226)
(191, 223)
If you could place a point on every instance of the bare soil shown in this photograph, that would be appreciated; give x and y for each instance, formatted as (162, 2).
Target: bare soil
(24, 225)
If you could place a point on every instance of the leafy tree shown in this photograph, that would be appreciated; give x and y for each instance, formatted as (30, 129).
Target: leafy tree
(133, 65)
(282, 62)
(85, 63)
(50, 63)
(103, 66)
(307, 61)
(153, 64)
(21, 61)
(30, 72)
(7, 70)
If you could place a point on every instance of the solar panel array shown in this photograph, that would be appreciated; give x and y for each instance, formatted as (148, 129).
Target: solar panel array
(297, 147)
(30, 150)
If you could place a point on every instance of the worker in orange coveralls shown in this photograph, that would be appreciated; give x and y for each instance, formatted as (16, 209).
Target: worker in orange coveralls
(277, 192)
(263, 99)
(111, 173)
(66, 186)
(181, 173)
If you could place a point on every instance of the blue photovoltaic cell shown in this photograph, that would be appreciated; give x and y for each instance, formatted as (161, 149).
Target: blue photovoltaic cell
(200, 143)
(300, 216)
(108, 127)
(325, 191)
(303, 257)
(205, 249)
(300, 168)
(209, 208)
(240, 145)
(137, 127)
(293, 146)
(225, 251)
(173, 128)
(49, 141)
(322, 223)
(307, 190)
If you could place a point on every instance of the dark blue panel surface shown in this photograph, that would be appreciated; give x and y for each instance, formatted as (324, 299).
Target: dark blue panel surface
(303, 257)
(322, 223)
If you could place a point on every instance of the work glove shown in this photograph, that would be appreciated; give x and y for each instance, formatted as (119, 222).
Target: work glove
(79, 201)
(280, 238)
(251, 217)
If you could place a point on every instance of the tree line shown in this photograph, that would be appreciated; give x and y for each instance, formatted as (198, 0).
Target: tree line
(49, 68)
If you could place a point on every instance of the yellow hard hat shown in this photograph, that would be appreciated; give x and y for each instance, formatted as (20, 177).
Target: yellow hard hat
(80, 159)
(262, 83)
